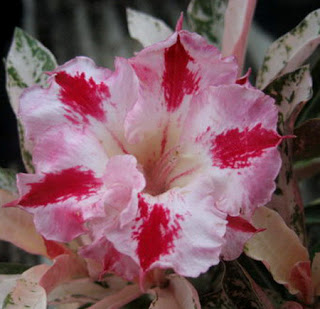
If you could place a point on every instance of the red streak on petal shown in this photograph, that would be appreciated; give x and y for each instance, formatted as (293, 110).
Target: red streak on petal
(240, 224)
(164, 139)
(82, 96)
(54, 249)
(61, 186)
(234, 149)
(178, 80)
(155, 235)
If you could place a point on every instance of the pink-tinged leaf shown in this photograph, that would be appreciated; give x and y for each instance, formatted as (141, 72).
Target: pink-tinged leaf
(291, 50)
(237, 21)
(179, 294)
(27, 293)
(267, 246)
(80, 291)
(146, 29)
(119, 299)
(17, 227)
(65, 268)
(290, 91)
(316, 273)
(301, 280)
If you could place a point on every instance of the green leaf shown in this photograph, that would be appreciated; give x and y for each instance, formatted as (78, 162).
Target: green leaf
(12, 268)
(291, 50)
(207, 18)
(306, 144)
(26, 64)
(8, 179)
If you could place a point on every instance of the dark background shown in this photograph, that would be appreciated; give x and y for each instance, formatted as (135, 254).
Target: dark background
(51, 22)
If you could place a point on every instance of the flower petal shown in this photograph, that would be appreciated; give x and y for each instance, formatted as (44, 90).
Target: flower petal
(170, 73)
(162, 235)
(82, 95)
(234, 130)
(110, 260)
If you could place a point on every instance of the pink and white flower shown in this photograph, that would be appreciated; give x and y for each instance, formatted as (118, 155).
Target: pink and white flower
(161, 162)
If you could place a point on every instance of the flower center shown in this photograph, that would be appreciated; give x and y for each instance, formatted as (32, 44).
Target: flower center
(158, 172)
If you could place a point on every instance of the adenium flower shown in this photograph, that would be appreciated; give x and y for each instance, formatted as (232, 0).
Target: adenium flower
(162, 162)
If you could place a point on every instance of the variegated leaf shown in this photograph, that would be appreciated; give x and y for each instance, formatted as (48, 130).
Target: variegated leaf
(207, 19)
(26, 64)
(291, 50)
(8, 180)
(81, 291)
(306, 144)
(146, 29)
(290, 92)
(26, 292)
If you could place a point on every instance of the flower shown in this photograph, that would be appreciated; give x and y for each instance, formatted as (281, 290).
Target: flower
(161, 163)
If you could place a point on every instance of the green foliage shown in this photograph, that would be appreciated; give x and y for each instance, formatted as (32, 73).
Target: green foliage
(207, 19)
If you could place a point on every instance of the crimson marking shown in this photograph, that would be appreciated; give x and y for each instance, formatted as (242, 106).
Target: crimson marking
(82, 96)
(178, 80)
(61, 186)
(155, 235)
(235, 149)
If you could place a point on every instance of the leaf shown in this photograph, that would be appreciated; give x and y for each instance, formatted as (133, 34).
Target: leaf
(291, 50)
(276, 293)
(26, 64)
(17, 227)
(8, 180)
(238, 18)
(146, 29)
(179, 294)
(290, 92)
(82, 291)
(312, 108)
(306, 144)
(268, 247)
(27, 293)
(237, 291)
(65, 268)
(207, 19)
(120, 298)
